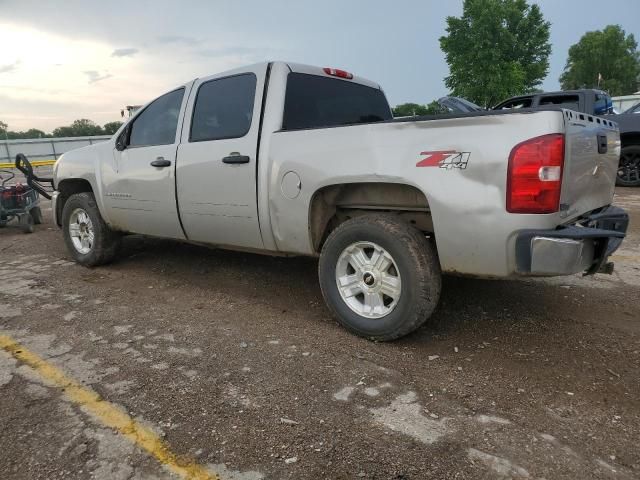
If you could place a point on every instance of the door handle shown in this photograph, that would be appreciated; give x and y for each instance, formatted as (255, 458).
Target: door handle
(161, 162)
(236, 159)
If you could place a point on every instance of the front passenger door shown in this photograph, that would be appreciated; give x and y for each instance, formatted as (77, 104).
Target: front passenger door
(141, 194)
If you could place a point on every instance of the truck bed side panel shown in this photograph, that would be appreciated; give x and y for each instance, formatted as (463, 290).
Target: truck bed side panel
(472, 229)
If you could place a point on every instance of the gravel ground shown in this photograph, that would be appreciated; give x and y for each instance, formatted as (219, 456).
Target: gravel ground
(233, 360)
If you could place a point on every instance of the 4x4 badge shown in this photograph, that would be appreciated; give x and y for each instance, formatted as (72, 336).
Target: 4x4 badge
(447, 159)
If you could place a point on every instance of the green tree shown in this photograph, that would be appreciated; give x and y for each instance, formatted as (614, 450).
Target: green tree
(79, 128)
(32, 133)
(497, 49)
(5, 133)
(111, 127)
(609, 53)
(412, 109)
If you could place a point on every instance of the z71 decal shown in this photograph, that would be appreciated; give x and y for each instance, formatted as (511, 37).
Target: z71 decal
(447, 159)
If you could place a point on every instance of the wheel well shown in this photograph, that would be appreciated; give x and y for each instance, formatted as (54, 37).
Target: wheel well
(631, 138)
(334, 204)
(67, 188)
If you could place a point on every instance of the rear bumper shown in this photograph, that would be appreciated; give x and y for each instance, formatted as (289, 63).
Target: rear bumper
(582, 247)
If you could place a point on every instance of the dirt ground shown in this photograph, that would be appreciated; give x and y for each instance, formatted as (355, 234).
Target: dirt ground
(234, 362)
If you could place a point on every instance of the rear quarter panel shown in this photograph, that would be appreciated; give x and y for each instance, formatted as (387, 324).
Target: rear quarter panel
(473, 232)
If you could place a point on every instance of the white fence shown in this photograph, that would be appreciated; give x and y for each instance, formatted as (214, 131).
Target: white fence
(43, 149)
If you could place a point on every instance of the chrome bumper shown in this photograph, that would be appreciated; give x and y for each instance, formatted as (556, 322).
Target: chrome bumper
(560, 256)
(582, 247)
(54, 208)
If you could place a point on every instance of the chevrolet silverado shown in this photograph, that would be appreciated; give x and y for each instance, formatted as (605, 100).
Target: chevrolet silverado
(288, 159)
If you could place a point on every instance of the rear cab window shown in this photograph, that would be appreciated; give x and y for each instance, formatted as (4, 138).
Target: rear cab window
(312, 101)
(572, 102)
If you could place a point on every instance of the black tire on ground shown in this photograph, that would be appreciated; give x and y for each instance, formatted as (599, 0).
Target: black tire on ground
(629, 167)
(417, 264)
(36, 213)
(105, 242)
(26, 223)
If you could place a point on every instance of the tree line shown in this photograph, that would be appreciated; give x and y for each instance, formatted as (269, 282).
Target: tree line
(79, 128)
(500, 48)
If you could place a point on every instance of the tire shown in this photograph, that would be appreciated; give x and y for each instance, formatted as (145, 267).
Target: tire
(26, 223)
(413, 276)
(629, 167)
(82, 211)
(36, 214)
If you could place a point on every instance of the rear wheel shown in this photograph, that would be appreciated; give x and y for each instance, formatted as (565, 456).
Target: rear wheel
(36, 213)
(379, 276)
(88, 238)
(629, 167)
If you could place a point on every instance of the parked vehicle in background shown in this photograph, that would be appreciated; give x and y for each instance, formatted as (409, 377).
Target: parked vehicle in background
(624, 102)
(289, 159)
(593, 102)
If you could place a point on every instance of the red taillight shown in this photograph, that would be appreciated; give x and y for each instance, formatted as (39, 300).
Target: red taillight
(334, 72)
(534, 177)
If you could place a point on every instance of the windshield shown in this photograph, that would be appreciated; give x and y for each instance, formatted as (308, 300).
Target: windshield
(459, 105)
(634, 109)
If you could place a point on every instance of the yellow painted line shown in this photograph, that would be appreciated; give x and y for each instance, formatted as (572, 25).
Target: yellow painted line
(35, 163)
(108, 414)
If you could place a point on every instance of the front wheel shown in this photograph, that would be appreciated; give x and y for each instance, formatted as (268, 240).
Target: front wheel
(88, 238)
(629, 167)
(380, 276)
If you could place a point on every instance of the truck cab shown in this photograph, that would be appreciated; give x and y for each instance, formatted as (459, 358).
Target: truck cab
(591, 101)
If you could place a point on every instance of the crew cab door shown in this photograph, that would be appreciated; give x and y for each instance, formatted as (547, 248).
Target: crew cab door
(140, 189)
(216, 166)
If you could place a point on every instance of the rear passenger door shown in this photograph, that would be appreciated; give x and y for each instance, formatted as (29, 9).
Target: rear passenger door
(216, 165)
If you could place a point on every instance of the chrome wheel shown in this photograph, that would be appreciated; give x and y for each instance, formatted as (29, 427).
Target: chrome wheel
(81, 231)
(368, 279)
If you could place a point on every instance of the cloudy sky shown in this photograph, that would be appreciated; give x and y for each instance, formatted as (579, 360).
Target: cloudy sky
(62, 60)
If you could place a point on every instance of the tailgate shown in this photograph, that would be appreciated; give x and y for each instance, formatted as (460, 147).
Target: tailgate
(592, 152)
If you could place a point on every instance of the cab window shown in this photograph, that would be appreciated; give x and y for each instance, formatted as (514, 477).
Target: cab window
(223, 108)
(157, 124)
(571, 102)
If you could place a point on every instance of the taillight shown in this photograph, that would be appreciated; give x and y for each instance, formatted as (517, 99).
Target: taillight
(534, 176)
(334, 72)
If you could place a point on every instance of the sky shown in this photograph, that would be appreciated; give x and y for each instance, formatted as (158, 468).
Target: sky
(63, 60)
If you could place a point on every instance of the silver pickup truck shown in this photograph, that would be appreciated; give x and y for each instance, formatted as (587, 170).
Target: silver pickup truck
(289, 159)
